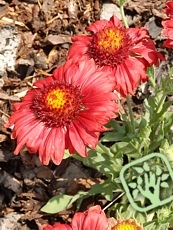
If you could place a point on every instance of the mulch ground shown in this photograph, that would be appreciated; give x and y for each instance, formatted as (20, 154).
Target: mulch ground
(35, 37)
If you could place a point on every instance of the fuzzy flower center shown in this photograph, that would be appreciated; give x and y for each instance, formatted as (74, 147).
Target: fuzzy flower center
(56, 99)
(110, 39)
(125, 226)
(57, 104)
(109, 46)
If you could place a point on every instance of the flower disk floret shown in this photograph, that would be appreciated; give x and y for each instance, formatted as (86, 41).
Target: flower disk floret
(67, 110)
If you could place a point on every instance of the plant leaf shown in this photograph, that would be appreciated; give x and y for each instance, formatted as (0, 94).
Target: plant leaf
(60, 202)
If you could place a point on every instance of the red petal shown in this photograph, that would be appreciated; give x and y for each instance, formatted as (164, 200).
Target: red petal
(88, 137)
(76, 141)
(59, 145)
(43, 155)
(34, 142)
(27, 132)
(98, 25)
(94, 219)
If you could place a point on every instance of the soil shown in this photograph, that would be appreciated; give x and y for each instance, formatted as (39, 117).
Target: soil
(36, 35)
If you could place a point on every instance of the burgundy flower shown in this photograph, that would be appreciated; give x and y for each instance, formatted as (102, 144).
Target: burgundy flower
(125, 52)
(65, 111)
(168, 25)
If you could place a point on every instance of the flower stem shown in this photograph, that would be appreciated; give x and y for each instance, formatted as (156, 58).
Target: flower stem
(131, 113)
(123, 15)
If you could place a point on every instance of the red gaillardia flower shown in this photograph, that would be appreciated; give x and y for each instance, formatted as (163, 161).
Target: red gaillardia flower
(121, 224)
(93, 219)
(168, 25)
(125, 52)
(67, 110)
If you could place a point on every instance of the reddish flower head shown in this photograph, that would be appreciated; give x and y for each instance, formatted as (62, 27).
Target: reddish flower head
(65, 111)
(125, 52)
(93, 219)
(121, 224)
(168, 25)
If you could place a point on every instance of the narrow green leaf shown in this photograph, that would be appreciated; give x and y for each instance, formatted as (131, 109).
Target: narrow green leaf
(117, 127)
(112, 137)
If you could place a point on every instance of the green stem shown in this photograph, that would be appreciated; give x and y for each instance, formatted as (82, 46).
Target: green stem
(131, 113)
(123, 15)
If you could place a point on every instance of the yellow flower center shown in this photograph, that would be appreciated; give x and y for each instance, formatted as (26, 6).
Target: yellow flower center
(56, 99)
(110, 39)
(57, 104)
(125, 226)
(110, 46)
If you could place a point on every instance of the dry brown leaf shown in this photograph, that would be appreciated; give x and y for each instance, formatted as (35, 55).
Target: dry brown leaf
(58, 39)
(10, 182)
(21, 94)
(5, 96)
(6, 20)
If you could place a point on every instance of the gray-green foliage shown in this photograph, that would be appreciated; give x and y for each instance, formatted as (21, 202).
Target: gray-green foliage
(152, 134)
